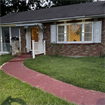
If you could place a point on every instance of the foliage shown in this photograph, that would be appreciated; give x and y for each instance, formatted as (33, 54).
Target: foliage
(12, 6)
(84, 72)
(68, 2)
(102, 54)
(5, 58)
(39, 4)
(17, 5)
(56, 48)
(4, 8)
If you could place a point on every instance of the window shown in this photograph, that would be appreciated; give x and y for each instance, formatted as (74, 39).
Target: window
(15, 33)
(88, 32)
(75, 33)
(60, 33)
(0, 40)
(5, 38)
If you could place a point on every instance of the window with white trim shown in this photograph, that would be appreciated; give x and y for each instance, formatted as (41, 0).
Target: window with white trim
(75, 33)
(88, 32)
(60, 33)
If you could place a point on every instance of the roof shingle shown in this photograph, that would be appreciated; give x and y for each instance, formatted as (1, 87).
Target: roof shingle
(85, 9)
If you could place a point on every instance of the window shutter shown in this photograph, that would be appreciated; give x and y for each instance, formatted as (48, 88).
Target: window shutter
(53, 33)
(97, 31)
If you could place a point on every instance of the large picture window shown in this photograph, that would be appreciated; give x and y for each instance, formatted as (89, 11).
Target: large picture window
(7, 35)
(75, 33)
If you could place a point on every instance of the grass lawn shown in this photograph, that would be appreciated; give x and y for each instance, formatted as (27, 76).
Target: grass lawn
(16, 92)
(85, 72)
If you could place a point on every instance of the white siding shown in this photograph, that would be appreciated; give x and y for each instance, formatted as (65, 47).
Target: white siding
(97, 30)
(40, 34)
(53, 33)
(0, 39)
(28, 40)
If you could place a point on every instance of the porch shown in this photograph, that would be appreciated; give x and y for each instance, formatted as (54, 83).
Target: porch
(38, 48)
(24, 33)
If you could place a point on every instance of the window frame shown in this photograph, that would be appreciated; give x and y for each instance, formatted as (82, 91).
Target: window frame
(73, 42)
(10, 36)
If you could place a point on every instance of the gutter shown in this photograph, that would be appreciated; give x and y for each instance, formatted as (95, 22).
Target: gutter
(46, 20)
(28, 24)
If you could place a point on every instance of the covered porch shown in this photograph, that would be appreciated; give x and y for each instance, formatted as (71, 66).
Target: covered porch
(27, 34)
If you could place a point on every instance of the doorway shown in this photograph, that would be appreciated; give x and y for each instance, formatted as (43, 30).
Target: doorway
(34, 34)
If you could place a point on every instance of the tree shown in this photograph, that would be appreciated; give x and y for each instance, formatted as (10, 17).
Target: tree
(68, 2)
(38, 4)
(19, 6)
(11, 6)
(2, 8)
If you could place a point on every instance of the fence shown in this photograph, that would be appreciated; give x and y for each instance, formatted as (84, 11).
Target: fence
(38, 48)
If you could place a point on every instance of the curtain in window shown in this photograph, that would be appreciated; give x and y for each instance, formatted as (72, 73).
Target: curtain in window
(6, 39)
(74, 32)
(60, 33)
(88, 32)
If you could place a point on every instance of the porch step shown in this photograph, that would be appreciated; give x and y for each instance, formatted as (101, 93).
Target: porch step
(39, 54)
(21, 58)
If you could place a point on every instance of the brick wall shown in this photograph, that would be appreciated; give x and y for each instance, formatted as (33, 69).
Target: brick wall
(23, 39)
(93, 49)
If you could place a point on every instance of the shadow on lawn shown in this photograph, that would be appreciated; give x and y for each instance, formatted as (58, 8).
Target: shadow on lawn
(101, 101)
(9, 101)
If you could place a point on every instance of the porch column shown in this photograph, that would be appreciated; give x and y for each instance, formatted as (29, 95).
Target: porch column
(10, 35)
(44, 47)
(19, 41)
(23, 39)
(33, 49)
(1, 39)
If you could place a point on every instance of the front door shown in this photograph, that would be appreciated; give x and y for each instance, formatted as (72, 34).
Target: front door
(34, 34)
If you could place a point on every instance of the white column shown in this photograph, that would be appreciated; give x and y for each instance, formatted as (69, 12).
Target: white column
(83, 32)
(65, 33)
(19, 41)
(1, 40)
(44, 47)
(33, 49)
(10, 34)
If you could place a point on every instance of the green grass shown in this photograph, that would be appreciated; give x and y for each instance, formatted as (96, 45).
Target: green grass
(5, 58)
(84, 72)
(16, 92)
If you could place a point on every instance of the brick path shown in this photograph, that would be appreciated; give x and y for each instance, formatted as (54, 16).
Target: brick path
(68, 92)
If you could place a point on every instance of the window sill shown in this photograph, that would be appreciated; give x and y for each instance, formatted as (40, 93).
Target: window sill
(75, 42)
(4, 52)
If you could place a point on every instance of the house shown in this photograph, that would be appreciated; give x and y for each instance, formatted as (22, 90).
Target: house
(79, 27)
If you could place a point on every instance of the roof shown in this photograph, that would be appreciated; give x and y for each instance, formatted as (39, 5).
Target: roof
(69, 11)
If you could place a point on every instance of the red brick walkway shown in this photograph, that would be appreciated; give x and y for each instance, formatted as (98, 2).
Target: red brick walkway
(60, 89)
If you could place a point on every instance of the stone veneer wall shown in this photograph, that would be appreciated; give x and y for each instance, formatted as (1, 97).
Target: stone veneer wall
(92, 49)
(23, 39)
